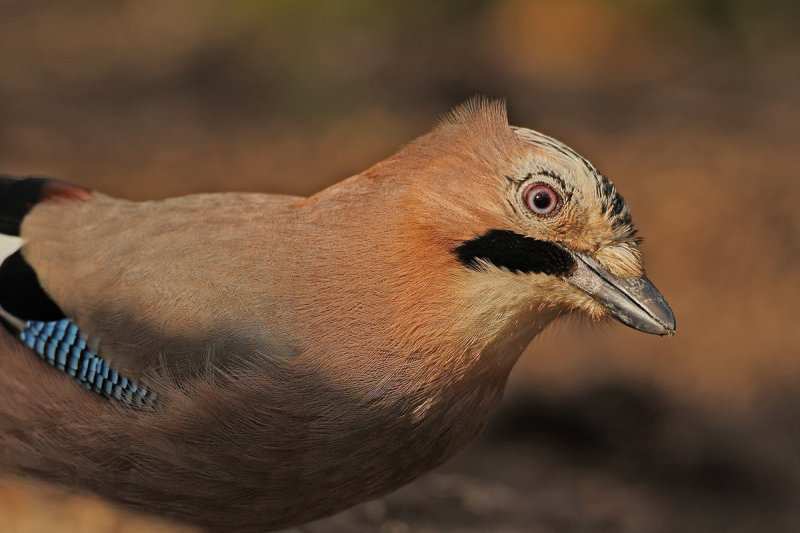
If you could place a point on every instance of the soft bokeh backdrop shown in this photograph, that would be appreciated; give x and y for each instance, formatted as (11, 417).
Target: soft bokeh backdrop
(692, 107)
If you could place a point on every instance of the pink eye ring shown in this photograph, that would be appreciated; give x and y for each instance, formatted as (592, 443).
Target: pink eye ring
(541, 199)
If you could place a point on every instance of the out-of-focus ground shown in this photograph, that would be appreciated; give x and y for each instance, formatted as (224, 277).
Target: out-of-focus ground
(691, 107)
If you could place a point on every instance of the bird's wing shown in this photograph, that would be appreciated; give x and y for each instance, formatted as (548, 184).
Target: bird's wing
(182, 281)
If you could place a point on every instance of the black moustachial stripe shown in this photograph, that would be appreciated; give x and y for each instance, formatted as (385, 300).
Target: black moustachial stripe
(21, 294)
(515, 252)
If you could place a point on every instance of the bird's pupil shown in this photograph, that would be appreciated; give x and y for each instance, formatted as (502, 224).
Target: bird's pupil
(542, 200)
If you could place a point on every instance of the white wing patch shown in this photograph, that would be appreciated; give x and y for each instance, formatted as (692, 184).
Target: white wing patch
(8, 245)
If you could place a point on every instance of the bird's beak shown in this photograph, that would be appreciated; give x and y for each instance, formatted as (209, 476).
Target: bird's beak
(633, 301)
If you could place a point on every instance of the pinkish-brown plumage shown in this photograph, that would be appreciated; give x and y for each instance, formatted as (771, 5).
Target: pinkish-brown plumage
(308, 353)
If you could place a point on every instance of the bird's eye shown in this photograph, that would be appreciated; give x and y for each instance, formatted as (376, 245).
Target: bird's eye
(541, 199)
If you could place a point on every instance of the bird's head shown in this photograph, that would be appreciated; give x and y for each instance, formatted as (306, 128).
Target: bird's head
(532, 229)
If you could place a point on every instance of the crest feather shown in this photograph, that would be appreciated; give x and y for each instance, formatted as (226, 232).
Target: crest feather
(477, 110)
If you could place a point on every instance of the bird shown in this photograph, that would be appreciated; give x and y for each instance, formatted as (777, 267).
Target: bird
(257, 361)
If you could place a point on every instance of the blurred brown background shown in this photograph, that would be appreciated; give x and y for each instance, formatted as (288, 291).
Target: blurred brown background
(692, 107)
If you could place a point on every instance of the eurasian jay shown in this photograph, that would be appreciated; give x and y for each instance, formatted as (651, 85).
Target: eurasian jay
(265, 360)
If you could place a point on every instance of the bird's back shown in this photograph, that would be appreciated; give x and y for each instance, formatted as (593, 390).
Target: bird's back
(135, 276)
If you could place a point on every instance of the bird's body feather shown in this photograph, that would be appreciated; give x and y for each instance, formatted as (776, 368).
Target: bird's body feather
(307, 353)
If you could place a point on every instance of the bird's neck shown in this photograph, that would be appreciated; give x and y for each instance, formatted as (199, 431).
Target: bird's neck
(410, 319)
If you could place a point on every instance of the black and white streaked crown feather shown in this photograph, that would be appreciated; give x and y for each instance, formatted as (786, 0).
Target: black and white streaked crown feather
(612, 202)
